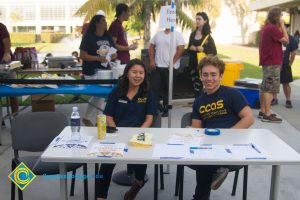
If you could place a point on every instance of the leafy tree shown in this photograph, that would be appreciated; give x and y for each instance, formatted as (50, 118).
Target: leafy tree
(143, 10)
(240, 8)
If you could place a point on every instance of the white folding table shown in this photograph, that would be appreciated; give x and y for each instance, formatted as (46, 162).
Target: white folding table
(279, 153)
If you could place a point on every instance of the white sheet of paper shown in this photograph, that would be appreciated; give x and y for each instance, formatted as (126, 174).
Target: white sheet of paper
(171, 151)
(66, 142)
(187, 138)
(209, 152)
(247, 151)
(107, 150)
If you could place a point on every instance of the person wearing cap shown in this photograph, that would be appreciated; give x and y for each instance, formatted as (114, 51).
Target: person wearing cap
(119, 34)
(218, 107)
(94, 48)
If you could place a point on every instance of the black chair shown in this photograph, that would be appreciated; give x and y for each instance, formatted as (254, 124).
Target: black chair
(33, 132)
(186, 120)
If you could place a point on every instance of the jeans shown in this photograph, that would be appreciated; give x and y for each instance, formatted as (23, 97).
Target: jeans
(92, 112)
(204, 175)
(106, 170)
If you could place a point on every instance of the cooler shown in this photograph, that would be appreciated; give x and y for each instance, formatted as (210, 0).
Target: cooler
(249, 87)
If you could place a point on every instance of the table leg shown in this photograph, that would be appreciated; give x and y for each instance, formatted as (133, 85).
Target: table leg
(63, 181)
(155, 182)
(275, 182)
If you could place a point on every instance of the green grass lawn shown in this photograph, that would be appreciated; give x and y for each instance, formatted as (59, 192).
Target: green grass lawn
(249, 57)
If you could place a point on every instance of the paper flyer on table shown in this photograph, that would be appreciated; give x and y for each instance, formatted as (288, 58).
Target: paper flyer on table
(247, 151)
(67, 143)
(107, 149)
(171, 151)
(186, 138)
(209, 152)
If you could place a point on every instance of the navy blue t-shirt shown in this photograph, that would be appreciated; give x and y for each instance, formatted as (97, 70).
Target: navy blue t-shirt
(129, 113)
(95, 45)
(292, 46)
(220, 109)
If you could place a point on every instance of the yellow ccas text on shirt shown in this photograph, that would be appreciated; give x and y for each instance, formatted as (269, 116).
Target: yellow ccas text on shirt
(212, 106)
(142, 100)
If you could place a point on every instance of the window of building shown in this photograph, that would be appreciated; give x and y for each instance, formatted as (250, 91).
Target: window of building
(23, 12)
(53, 12)
(24, 29)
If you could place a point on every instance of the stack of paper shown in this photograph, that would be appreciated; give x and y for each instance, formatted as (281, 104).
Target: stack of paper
(141, 140)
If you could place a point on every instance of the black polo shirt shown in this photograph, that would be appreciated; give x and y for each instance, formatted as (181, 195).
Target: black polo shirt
(129, 113)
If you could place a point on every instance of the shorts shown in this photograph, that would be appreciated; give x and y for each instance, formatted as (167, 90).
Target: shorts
(286, 75)
(271, 79)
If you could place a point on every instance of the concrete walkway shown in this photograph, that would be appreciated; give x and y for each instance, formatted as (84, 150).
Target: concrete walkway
(258, 181)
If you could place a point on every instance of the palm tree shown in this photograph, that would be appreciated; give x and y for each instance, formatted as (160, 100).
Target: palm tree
(144, 9)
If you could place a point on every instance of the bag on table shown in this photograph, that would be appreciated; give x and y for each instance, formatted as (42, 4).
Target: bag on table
(25, 55)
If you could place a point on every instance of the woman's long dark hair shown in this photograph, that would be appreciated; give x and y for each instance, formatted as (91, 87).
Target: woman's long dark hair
(206, 28)
(124, 82)
(92, 25)
(274, 15)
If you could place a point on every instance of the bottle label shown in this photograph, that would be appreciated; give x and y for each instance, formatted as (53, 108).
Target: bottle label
(75, 122)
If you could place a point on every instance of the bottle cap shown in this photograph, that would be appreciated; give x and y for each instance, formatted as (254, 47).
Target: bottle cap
(75, 108)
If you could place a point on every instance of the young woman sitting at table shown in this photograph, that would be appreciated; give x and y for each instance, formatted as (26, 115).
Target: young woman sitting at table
(130, 104)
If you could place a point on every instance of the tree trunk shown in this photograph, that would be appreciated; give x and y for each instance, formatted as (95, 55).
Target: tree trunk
(147, 27)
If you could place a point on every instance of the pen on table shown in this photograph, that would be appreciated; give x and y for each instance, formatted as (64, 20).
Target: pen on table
(57, 139)
(256, 158)
(200, 147)
(171, 157)
(107, 143)
(104, 156)
(253, 146)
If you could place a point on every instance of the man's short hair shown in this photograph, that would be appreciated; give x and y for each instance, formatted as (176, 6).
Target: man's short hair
(214, 61)
(121, 7)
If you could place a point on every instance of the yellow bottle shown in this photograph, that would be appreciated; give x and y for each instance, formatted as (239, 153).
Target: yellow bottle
(101, 122)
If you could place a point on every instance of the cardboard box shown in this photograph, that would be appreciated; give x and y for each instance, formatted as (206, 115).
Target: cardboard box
(42, 102)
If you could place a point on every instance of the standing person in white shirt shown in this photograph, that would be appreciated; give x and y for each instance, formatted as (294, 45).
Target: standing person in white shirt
(159, 53)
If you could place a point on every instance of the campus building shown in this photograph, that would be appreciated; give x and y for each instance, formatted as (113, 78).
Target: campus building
(41, 15)
(290, 6)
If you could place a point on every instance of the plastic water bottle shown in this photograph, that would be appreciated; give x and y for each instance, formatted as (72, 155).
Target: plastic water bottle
(75, 124)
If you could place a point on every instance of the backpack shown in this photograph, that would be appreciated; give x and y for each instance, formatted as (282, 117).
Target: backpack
(26, 55)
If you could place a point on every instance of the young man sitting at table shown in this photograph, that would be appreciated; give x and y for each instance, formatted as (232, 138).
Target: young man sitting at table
(217, 107)
(130, 104)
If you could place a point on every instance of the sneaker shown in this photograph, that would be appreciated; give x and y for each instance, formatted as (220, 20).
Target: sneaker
(219, 177)
(271, 119)
(261, 115)
(274, 102)
(165, 113)
(288, 104)
(131, 194)
(160, 108)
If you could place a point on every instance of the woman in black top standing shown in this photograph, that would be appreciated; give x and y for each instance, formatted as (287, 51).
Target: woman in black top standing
(94, 49)
(196, 45)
